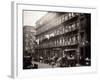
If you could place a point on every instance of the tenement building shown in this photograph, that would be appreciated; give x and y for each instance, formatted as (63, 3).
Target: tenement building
(64, 33)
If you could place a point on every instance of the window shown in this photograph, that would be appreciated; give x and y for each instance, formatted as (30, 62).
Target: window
(77, 24)
(63, 19)
(66, 28)
(73, 14)
(66, 17)
(73, 26)
(69, 15)
(69, 28)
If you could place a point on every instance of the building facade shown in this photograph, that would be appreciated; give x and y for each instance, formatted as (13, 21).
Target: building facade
(64, 32)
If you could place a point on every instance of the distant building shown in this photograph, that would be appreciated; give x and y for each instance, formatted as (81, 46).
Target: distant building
(29, 33)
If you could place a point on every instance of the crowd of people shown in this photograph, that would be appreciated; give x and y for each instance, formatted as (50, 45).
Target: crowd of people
(62, 61)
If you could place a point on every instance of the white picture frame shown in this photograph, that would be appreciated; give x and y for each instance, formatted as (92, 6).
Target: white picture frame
(17, 44)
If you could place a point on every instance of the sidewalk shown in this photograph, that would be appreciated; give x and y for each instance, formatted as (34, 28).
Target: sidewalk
(42, 65)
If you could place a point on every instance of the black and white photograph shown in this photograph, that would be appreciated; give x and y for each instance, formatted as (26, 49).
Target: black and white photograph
(54, 39)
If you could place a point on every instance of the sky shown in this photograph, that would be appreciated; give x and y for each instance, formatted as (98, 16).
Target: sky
(30, 17)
